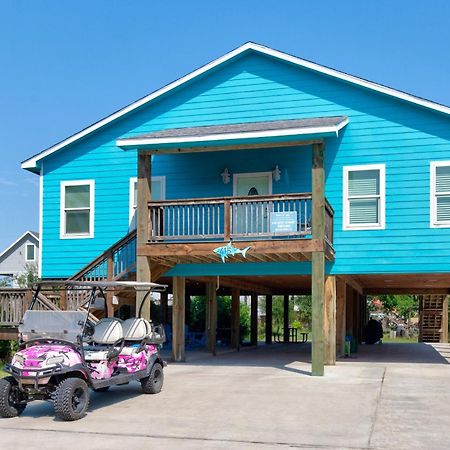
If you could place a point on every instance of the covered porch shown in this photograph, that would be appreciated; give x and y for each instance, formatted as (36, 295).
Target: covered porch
(287, 228)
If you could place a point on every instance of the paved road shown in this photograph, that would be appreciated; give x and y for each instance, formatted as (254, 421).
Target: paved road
(391, 396)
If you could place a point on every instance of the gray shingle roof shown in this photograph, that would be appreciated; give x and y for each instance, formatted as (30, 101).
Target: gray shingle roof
(249, 127)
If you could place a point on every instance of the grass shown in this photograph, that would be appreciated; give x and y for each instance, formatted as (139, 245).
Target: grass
(2, 373)
(400, 340)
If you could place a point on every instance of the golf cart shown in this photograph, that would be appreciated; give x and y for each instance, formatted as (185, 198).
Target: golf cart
(64, 353)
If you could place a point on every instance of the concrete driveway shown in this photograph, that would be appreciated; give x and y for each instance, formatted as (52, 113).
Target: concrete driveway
(389, 396)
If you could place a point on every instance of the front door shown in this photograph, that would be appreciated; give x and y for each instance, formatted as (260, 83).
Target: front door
(251, 218)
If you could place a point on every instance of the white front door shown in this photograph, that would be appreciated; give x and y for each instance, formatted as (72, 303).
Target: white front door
(251, 218)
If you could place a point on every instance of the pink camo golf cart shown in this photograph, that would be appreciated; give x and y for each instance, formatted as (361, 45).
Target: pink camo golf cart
(64, 353)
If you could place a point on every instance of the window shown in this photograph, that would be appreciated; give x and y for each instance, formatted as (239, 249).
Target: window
(364, 197)
(158, 193)
(30, 252)
(77, 209)
(440, 194)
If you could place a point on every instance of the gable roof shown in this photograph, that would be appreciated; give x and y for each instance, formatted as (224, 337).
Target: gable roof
(27, 233)
(33, 162)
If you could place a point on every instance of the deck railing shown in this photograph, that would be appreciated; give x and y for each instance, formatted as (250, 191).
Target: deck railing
(252, 217)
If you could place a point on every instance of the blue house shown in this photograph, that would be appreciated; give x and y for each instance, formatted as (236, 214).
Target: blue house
(339, 186)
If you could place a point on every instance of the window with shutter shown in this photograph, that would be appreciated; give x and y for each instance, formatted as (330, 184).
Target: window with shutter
(440, 194)
(364, 197)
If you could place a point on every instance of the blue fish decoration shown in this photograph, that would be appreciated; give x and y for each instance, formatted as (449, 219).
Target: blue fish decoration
(230, 250)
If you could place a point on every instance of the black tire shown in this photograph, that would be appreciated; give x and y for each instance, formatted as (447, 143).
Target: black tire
(154, 382)
(11, 404)
(103, 389)
(71, 399)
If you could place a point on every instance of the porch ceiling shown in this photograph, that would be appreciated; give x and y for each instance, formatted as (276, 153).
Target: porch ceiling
(237, 133)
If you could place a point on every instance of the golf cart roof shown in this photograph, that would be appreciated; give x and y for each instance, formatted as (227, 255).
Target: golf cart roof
(137, 285)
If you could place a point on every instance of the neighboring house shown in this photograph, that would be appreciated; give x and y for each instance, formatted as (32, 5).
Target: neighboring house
(234, 150)
(21, 253)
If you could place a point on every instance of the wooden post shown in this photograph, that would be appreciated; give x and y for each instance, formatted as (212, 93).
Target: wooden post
(188, 310)
(349, 310)
(286, 318)
(164, 308)
(227, 220)
(254, 319)
(235, 319)
(444, 326)
(211, 317)
(63, 298)
(109, 294)
(269, 309)
(330, 321)
(318, 260)
(178, 313)
(143, 272)
(341, 289)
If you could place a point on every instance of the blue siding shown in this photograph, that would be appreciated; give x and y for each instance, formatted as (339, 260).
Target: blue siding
(253, 88)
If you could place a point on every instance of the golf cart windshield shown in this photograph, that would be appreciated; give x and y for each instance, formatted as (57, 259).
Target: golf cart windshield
(64, 325)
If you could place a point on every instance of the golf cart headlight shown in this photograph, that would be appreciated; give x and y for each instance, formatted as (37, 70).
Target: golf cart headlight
(18, 359)
(54, 360)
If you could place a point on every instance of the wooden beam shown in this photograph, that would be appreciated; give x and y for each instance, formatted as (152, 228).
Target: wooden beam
(341, 293)
(286, 318)
(235, 319)
(318, 260)
(178, 314)
(201, 149)
(356, 285)
(243, 285)
(329, 322)
(143, 270)
(406, 291)
(269, 310)
(211, 317)
(8, 334)
(254, 319)
(280, 247)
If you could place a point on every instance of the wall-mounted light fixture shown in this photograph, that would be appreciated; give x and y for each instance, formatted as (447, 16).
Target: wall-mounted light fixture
(225, 176)
(276, 173)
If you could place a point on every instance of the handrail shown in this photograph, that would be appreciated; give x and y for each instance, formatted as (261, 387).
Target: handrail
(224, 218)
(104, 256)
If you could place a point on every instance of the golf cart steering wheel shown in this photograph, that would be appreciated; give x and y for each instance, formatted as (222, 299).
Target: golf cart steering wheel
(89, 328)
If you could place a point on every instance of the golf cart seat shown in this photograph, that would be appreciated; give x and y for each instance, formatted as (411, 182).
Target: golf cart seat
(107, 333)
(136, 335)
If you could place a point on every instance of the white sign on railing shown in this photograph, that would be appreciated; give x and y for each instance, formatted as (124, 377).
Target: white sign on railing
(283, 222)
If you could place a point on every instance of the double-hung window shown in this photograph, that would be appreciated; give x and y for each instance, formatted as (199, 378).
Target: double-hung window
(440, 194)
(77, 209)
(158, 193)
(364, 197)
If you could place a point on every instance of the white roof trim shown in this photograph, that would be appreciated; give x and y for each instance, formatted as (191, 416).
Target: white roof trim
(134, 142)
(31, 163)
(17, 241)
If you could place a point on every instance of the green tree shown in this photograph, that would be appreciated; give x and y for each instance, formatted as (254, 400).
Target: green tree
(29, 277)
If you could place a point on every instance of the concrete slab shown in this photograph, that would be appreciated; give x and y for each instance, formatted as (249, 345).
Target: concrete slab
(264, 398)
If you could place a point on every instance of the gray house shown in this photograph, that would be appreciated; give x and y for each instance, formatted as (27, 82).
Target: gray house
(22, 253)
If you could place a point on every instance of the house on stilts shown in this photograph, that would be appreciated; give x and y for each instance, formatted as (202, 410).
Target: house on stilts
(339, 186)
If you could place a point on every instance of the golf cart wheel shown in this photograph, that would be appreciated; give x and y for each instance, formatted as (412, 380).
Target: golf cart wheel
(154, 382)
(71, 399)
(10, 398)
(103, 389)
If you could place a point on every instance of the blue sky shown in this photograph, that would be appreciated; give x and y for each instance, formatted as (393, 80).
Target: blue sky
(64, 65)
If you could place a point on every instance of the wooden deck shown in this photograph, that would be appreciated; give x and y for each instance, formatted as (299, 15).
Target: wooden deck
(278, 228)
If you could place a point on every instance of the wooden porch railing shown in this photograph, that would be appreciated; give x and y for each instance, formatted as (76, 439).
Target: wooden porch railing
(15, 301)
(252, 217)
(112, 264)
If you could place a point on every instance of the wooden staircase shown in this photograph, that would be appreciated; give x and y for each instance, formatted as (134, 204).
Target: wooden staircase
(433, 318)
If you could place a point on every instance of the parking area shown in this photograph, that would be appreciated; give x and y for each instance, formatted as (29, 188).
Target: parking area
(388, 396)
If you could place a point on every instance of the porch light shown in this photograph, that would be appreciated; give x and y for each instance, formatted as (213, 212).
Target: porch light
(276, 173)
(225, 176)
